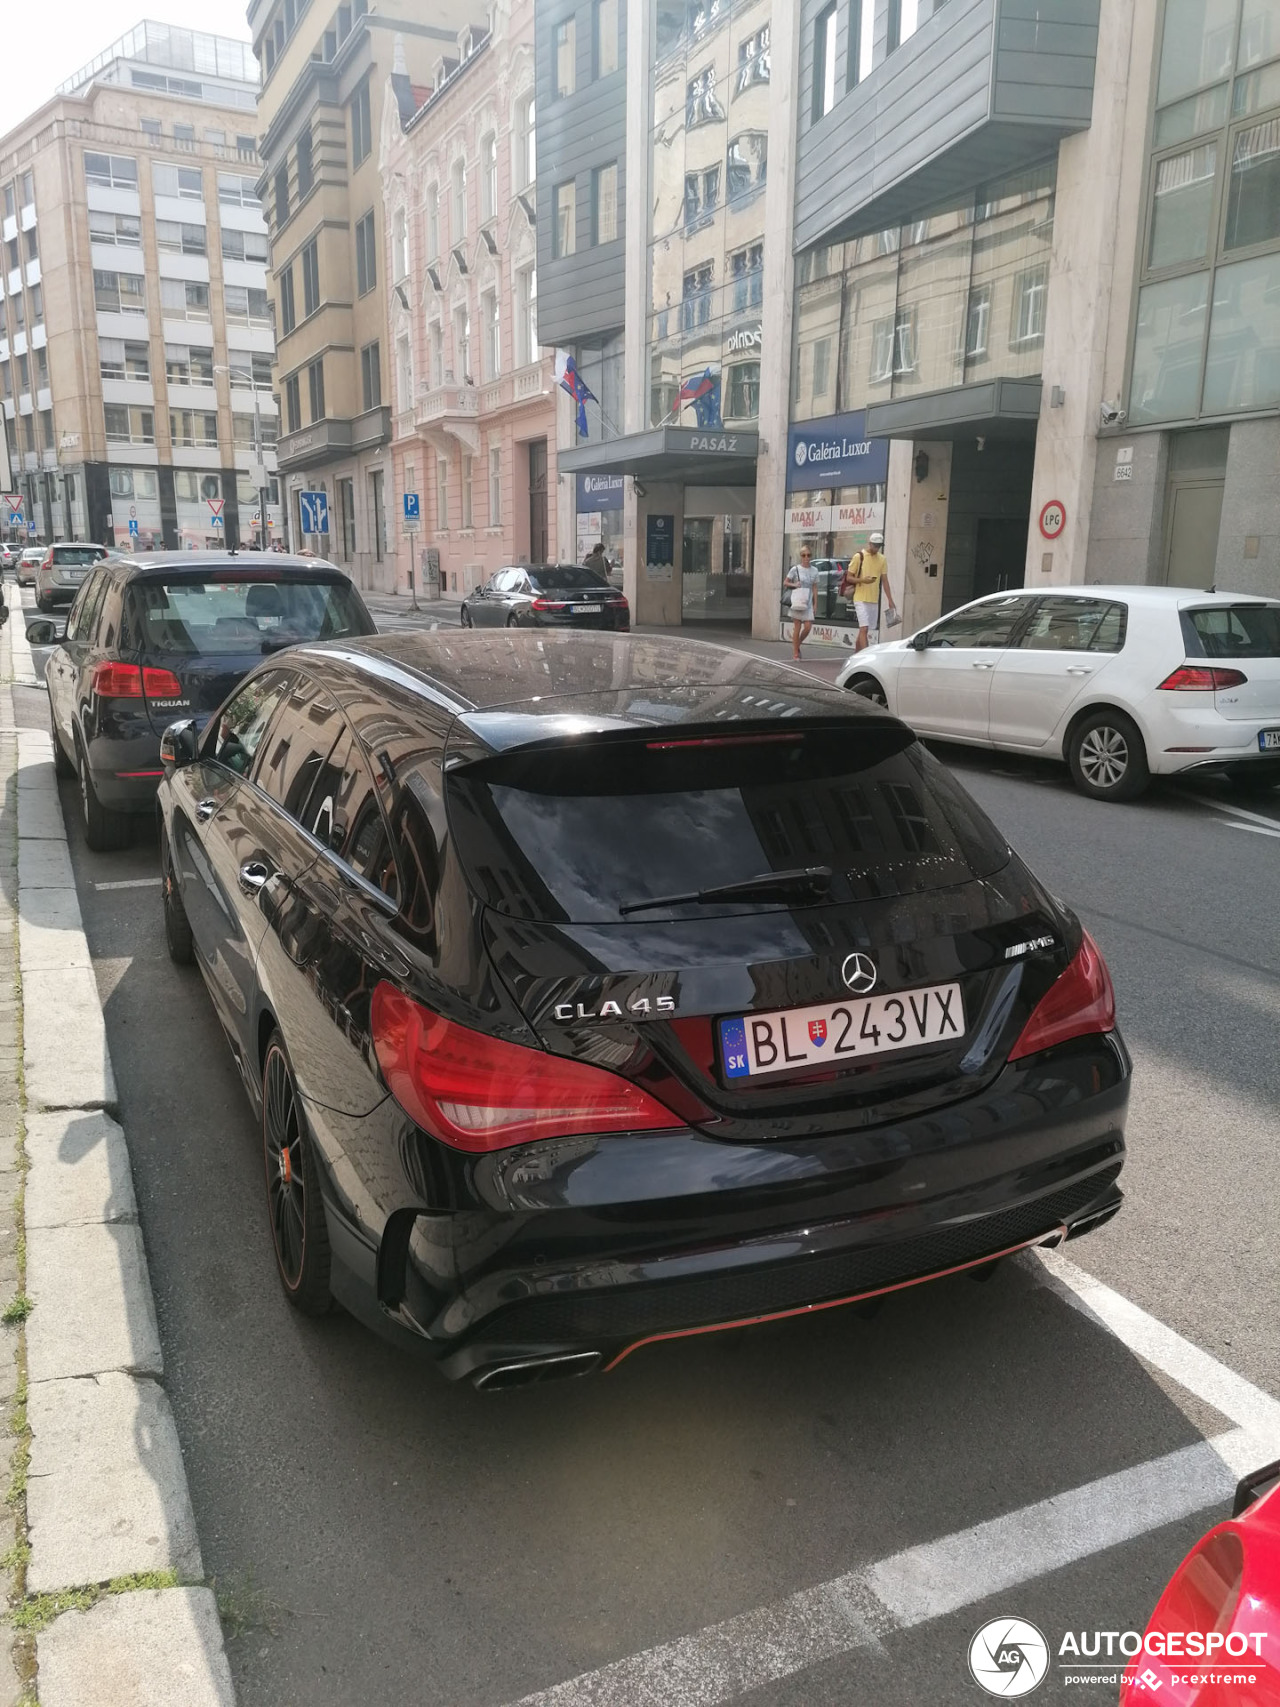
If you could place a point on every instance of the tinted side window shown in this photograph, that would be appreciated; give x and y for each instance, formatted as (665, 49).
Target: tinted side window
(84, 611)
(235, 737)
(109, 615)
(299, 741)
(1065, 624)
(988, 624)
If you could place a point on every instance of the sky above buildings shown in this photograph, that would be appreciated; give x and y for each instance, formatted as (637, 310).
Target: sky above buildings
(46, 41)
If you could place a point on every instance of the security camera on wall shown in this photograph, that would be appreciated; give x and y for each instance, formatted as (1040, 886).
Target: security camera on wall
(1111, 414)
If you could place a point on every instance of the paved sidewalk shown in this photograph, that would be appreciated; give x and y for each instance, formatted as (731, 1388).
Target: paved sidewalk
(107, 1574)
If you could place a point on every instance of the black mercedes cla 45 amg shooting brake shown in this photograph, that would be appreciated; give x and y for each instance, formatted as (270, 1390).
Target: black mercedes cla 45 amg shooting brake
(594, 990)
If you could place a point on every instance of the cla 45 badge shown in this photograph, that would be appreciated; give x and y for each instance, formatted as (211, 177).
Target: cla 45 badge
(642, 1008)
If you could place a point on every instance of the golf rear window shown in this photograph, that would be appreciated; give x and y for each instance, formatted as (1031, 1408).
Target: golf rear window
(1232, 631)
(213, 618)
(579, 833)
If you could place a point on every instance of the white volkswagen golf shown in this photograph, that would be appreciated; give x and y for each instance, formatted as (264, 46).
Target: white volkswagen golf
(1124, 683)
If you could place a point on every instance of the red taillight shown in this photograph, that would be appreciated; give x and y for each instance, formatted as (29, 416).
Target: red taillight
(160, 684)
(550, 604)
(1202, 677)
(479, 1093)
(1080, 1001)
(117, 681)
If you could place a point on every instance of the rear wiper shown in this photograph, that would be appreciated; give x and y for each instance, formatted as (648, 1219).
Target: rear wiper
(767, 886)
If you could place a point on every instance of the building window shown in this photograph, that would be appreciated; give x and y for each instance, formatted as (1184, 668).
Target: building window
(977, 323)
(744, 391)
(488, 176)
(282, 195)
(400, 244)
(371, 376)
(193, 427)
(462, 345)
(824, 61)
(701, 195)
(746, 268)
(526, 144)
(346, 495)
(904, 18)
(566, 55)
(458, 204)
(491, 334)
(1253, 195)
(120, 360)
(701, 104)
(442, 494)
(821, 367)
(310, 278)
(115, 293)
(748, 163)
(233, 190)
(565, 225)
(244, 246)
(253, 433)
(111, 171)
(695, 305)
(527, 307)
(315, 389)
(184, 299)
(608, 43)
(288, 314)
(121, 230)
(433, 222)
(495, 486)
(1029, 289)
(378, 515)
(1182, 203)
(292, 405)
(361, 126)
(175, 239)
(366, 256)
(306, 164)
(604, 203)
(183, 366)
(249, 372)
(467, 517)
(152, 128)
(404, 373)
(435, 354)
(245, 307)
(893, 345)
(754, 61)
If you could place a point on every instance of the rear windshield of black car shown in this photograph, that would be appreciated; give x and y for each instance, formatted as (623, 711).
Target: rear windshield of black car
(579, 833)
(76, 556)
(1232, 631)
(567, 578)
(212, 618)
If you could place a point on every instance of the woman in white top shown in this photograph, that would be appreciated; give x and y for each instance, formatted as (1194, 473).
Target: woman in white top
(802, 578)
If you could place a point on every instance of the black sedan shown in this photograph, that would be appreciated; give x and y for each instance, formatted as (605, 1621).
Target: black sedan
(596, 990)
(553, 595)
(152, 638)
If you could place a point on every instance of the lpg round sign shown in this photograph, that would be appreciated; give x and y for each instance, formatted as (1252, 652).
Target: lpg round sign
(1053, 518)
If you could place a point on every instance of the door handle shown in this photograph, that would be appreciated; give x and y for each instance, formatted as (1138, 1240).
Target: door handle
(1079, 669)
(978, 666)
(254, 874)
(205, 810)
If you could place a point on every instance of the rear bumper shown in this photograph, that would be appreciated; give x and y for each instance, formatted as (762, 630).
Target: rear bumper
(589, 1257)
(126, 774)
(1200, 738)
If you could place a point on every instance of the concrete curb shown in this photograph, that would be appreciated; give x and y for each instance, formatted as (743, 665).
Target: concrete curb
(24, 670)
(107, 1492)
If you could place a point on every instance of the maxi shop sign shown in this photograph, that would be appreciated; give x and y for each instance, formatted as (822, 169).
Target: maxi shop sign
(835, 451)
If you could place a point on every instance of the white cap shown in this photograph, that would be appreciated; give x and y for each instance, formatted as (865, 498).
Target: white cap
(877, 539)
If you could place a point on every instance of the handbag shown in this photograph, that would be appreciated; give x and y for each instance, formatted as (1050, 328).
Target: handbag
(799, 602)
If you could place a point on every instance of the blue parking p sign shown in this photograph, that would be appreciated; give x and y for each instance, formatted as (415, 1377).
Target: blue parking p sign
(411, 510)
(313, 508)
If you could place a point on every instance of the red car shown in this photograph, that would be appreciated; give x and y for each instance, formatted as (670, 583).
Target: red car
(1214, 1637)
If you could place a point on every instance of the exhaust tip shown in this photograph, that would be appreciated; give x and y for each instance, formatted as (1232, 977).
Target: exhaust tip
(528, 1372)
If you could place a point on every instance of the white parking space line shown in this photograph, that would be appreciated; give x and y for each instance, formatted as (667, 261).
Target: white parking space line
(727, 1660)
(1233, 811)
(130, 883)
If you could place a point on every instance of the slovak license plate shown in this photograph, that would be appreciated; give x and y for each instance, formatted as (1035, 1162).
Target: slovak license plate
(585, 610)
(780, 1042)
(1269, 740)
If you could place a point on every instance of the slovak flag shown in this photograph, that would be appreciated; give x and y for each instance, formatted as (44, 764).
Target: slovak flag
(571, 380)
(818, 1031)
(704, 394)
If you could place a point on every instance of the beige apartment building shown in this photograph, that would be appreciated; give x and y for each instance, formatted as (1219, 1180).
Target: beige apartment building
(136, 344)
(326, 71)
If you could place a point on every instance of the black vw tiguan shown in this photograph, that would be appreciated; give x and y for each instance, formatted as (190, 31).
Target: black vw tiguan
(594, 990)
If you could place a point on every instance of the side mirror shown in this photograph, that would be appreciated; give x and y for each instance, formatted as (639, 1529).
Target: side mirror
(42, 632)
(178, 744)
(918, 642)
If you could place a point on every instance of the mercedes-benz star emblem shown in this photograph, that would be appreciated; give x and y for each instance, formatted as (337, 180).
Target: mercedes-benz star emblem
(859, 974)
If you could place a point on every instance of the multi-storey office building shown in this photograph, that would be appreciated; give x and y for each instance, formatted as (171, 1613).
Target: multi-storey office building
(136, 344)
(474, 400)
(1017, 293)
(326, 72)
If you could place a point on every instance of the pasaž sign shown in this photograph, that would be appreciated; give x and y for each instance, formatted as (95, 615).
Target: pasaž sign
(599, 492)
(659, 539)
(835, 452)
(1053, 518)
(724, 444)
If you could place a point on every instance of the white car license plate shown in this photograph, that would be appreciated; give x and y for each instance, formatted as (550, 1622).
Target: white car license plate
(1269, 740)
(585, 610)
(837, 1031)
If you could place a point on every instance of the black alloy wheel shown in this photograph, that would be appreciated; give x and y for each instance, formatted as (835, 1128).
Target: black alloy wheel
(465, 618)
(298, 1231)
(869, 688)
(513, 621)
(1107, 758)
(63, 768)
(177, 926)
(104, 830)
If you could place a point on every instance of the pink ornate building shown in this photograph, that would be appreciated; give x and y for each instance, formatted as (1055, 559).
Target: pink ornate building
(473, 397)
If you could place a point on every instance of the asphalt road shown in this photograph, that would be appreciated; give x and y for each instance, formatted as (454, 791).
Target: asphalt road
(378, 1535)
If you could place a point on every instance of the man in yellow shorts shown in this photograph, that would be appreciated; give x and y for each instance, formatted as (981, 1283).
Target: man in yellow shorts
(865, 579)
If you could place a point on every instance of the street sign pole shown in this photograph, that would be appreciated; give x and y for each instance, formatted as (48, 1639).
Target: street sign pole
(412, 518)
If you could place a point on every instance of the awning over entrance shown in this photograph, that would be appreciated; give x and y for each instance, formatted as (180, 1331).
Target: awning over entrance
(692, 456)
(997, 408)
